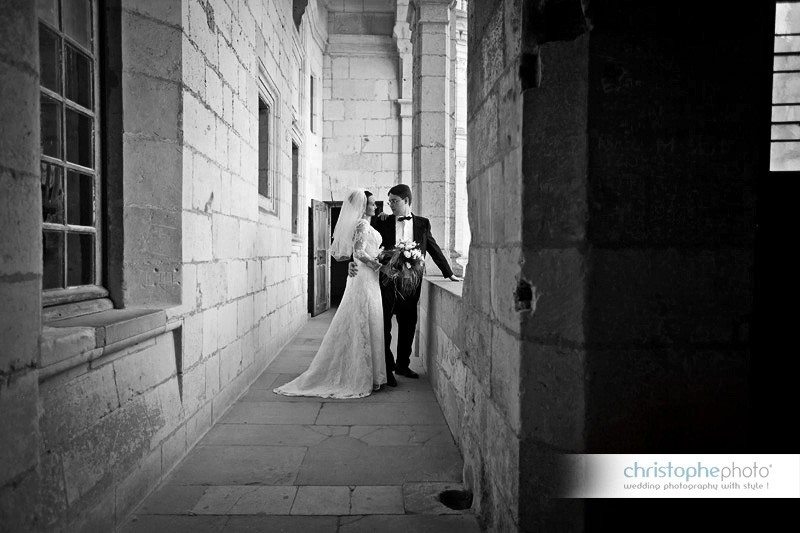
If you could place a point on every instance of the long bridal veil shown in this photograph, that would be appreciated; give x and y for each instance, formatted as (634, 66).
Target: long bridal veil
(352, 211)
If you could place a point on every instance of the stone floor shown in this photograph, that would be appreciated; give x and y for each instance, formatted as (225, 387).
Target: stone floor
(274, 463)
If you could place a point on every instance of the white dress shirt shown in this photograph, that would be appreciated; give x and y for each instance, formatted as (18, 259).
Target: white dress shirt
(403, 229)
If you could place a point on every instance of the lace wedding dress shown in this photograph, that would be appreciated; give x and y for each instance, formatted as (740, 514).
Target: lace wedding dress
(350, 362)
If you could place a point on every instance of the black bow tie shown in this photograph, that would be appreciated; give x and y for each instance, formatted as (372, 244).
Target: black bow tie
(404, 218)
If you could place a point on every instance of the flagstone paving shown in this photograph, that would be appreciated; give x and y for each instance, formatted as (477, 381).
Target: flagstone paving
(277, 463)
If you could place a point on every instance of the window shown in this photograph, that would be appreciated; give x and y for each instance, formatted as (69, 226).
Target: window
(312, 104)
(785, 150)
(268, 106)
(295, 189)
(70, 181)
(264, 138)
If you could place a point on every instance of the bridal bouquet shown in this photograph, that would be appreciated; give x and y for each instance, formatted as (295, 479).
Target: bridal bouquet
(404, 266)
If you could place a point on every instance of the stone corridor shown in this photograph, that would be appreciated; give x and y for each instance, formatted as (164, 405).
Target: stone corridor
(274, 463)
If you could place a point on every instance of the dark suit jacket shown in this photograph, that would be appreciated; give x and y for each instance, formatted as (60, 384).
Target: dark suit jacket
(422, 236)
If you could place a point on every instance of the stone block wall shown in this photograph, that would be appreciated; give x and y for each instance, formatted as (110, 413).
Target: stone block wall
(361, 125)
(20, 265)
(99, 408)
(245, 273)
(472, 341)
(610, 269)
(112, 428)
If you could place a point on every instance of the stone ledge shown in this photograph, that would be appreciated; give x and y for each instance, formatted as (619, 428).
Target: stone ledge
(71, 342)
(455, 288)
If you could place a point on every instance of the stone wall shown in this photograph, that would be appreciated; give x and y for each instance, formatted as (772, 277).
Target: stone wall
(245, 273)
(472, 343)
(609, 296)
(20, 264)
(362, 144)
(99, 407)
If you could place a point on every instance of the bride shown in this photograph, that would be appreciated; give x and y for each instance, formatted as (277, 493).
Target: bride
(350, 362)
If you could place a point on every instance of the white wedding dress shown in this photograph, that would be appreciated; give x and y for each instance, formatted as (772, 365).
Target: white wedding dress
(350, 362)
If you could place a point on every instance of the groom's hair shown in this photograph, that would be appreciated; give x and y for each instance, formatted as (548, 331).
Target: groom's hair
(402, 190)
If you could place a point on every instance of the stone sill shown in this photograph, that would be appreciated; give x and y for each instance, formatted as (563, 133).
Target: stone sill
(96, 337)
(455, 288)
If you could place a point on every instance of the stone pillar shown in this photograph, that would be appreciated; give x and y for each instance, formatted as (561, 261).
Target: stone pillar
(430, 37)
(20, 266)
(459, 228)
(402, 36)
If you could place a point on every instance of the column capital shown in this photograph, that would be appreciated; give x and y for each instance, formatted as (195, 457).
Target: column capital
(429, 11)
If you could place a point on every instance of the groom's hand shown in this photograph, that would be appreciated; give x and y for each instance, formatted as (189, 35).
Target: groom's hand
(384, 215)
(352, 269)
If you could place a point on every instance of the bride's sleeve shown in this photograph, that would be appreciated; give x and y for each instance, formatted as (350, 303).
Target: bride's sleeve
(359, 245)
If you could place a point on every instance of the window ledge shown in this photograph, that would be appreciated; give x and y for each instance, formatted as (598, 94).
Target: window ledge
(96, 337)
(455, 288)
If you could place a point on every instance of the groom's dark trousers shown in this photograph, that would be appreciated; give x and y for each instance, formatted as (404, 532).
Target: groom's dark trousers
(405, 309)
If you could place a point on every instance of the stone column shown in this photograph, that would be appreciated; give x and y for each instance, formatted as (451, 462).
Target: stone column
(459, 228)
(430, 37)
(402, 36)
(20, 267)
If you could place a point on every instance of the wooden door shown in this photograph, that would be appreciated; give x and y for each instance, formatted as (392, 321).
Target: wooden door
(319, 258)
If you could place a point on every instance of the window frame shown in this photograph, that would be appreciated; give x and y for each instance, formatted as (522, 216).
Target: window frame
(295, 223)
(773, 123)
(78, 293)
(313, 90)
(268, 92)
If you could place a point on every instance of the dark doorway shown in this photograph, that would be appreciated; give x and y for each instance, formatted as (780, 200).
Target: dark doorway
(338, 272)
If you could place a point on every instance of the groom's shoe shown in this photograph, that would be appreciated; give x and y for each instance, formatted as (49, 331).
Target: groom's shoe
(390, 379)
(407, 372)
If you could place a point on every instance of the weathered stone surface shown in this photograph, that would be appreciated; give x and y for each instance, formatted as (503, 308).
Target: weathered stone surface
(347, 461)
(402, 435)
(173, 448)
(19, 448)
(267, 435)
(69, 408)
(376, 500)
(240, 465)
(141, 39)
(557, 281)
(147, 93)
(143, 370)
(18, 504)
(552, 400)
(178, 524)
(421, 523)
(172, 499)
(272, 413)
(237, 500)
(308, 524)
(20, 346)
(505, 375)
(377, 414)
(138, 483)
(115, 444)
(316, 500)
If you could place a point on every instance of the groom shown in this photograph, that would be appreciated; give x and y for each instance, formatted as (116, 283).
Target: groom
(403, 226)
